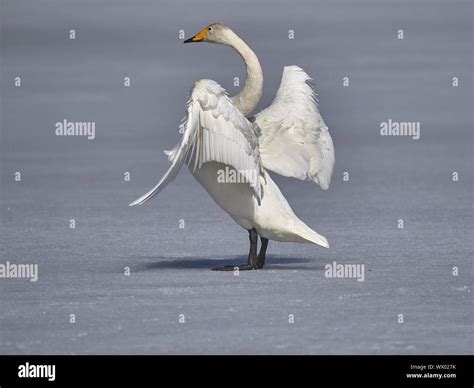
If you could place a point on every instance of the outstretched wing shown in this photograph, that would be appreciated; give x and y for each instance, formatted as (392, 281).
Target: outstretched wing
(215, 130)
(295, 141)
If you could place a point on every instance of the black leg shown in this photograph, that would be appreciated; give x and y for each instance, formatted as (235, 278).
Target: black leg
(263, 250)
(253, 261)
(253, 238)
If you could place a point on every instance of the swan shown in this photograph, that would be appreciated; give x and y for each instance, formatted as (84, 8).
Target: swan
(289, 137)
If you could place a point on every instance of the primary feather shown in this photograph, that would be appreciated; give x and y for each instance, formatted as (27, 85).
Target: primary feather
(215, 130)
(295, 141)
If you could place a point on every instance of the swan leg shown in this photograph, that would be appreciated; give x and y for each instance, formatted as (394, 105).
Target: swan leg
(253, 261)
(263, 250)
(253, 238)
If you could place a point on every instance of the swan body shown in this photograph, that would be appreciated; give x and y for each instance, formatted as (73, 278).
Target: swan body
(273, 219)
(289, 137)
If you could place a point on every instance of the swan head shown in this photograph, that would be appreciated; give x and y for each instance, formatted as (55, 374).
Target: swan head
(213, 33)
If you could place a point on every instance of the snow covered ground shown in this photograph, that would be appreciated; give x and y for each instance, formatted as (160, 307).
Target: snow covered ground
(171, 302)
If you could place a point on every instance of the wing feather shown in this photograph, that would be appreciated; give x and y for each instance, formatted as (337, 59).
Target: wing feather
(215, 130)
(295, 141)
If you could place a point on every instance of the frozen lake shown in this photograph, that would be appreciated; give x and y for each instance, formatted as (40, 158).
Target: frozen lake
(409, 271)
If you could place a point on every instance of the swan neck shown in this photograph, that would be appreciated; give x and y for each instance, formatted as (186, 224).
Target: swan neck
(250, 95)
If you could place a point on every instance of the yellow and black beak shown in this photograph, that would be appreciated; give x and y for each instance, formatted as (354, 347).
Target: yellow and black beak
(198, 37)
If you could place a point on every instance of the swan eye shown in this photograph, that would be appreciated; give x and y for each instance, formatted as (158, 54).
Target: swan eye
(209, 29)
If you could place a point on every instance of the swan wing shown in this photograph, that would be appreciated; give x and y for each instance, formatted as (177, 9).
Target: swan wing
(214, 130)
(295, 141)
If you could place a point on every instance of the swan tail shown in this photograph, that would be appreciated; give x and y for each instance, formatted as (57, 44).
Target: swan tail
(318, 239)
(310, 236)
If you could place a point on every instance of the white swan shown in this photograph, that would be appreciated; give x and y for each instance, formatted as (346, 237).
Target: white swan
(289, 137)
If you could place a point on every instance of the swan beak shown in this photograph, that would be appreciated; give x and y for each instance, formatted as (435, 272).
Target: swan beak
(198, 37)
